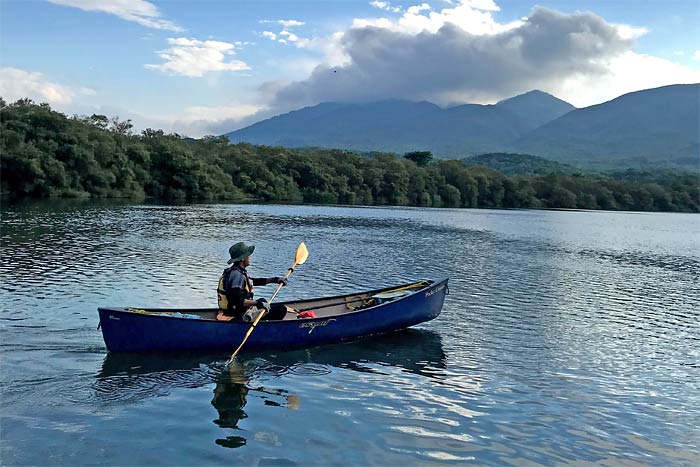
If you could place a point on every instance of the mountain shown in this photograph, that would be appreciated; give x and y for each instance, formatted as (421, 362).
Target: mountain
(536, 108)
(402, 126)
(639, 129)
(657, 125)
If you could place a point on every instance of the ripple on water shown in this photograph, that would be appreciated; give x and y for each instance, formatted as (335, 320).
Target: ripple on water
(566, 338)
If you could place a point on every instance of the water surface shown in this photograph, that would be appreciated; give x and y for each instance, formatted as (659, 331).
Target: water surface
(568, 338)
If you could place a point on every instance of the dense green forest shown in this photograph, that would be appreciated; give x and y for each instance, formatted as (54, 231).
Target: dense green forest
(47, 154)
(520, 164)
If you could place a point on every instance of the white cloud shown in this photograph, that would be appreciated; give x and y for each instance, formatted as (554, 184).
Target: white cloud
(696, 55)
(625, 72)
(678, 53)
(416, 9)
(195, 58)
(487, 5)
(198, 121)
(285, 36)
(385, 6)
(195, 121)
(18, 84)
(286, 23)
(630, 32)
(291, 37)
(139, 11)
(473, 16)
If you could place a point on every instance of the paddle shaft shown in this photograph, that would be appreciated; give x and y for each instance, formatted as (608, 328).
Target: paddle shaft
(255, 323)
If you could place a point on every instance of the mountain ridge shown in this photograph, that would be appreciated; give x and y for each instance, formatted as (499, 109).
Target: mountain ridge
(658, 124)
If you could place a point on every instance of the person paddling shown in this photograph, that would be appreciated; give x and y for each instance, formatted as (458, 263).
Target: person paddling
(235, 291)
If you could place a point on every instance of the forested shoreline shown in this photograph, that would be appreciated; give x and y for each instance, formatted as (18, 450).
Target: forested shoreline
(47, 154)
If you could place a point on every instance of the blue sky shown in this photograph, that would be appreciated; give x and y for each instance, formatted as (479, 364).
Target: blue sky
(213, 66)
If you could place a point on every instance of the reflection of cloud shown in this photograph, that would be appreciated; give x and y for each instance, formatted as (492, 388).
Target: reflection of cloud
(195, 58)
(138, 11)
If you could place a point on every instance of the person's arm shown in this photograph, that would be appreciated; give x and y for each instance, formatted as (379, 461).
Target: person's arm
(269, 280)
(236, 297)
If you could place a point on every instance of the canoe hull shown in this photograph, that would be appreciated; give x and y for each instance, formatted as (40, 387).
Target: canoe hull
(129, 331)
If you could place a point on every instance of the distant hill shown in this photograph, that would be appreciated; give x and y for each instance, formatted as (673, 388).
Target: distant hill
(519, 164)
(535, 108)
(402, 126)
(654, 125)
(650, 128)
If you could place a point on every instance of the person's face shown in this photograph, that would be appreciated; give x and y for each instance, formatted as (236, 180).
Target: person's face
(246, 262)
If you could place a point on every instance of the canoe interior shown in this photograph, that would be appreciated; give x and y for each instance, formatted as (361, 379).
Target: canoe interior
(323, 307)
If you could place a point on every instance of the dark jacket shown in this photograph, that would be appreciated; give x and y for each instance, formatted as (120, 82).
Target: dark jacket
(235, 286)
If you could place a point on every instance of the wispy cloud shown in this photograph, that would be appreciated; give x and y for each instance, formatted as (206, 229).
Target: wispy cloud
(139, 11)
(286, 23)
(198, 121)
(696, 55)
(18, 84)
(473, 16)
(195, 58)
(285, 36)
(385, 6)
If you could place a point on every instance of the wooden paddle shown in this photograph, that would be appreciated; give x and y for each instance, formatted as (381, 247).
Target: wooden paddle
(300, 258)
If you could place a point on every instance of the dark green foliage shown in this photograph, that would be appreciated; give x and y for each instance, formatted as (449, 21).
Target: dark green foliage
(519, 164)
(45, 153)
(422, 158)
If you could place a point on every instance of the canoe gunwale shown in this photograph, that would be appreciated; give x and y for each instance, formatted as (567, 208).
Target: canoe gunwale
(161, 312)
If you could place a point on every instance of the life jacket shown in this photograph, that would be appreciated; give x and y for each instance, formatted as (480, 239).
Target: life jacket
(222, 297)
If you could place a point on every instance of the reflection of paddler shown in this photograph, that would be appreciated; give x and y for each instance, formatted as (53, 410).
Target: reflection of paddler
(229, 399)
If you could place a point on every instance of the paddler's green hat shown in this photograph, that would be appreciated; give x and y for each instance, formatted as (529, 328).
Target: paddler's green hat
(239, 251)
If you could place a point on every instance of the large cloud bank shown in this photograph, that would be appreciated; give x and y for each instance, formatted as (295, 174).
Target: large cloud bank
(463, 55)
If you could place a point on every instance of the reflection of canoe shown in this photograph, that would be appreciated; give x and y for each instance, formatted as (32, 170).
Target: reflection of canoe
(338, 319)
(412, 350)
(136, 376)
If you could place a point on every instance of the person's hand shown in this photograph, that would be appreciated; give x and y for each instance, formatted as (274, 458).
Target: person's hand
(279, 280)
(262, 303)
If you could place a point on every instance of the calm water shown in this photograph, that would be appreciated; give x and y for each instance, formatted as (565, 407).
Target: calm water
(569, 338)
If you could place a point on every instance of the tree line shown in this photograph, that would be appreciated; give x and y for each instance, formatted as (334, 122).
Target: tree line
(47, 154)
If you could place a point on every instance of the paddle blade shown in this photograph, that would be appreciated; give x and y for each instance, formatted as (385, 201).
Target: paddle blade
(302, 254)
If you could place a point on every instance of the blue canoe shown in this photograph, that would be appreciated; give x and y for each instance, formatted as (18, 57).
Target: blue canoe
(339, 318)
